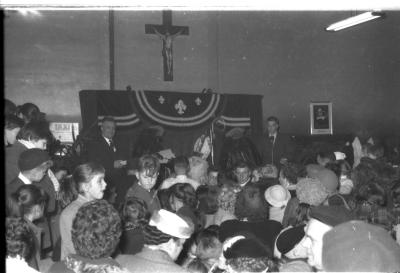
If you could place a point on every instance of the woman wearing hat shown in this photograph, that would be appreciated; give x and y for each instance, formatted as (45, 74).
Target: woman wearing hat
(164, 238)
(278, 197)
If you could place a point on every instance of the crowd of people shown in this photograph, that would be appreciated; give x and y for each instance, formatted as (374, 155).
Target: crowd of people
(262, 212)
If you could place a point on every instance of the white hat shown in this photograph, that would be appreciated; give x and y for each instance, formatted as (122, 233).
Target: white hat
(277, 196)
(339, 155)
(171, 224)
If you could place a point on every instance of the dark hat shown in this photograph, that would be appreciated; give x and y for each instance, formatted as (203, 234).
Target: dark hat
(289, 238)
(32, 158)
(266, 231)
(358, 246)
(331, 215)
(247, 247)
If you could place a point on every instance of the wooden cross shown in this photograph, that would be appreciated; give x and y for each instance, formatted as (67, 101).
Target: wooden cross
(167, 33)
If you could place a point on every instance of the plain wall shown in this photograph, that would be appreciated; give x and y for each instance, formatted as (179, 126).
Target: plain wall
(285, 56)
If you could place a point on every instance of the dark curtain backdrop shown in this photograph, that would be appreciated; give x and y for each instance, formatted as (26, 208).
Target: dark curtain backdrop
(136, 110)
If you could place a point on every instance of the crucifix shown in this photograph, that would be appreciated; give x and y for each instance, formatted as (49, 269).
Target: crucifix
(167, 33)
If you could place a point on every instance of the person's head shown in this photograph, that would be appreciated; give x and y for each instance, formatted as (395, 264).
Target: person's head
(166, 231)
(108, 126)
(334, 167)
(34, 164)
(19, 238)
(277, 196)
(289, 243)
(198, 169)
(12, 126)
(300, 216)
(29, 112)
(89, 180)
(36, 133)
(311, 191)
(9, 108)
(147, 173)
(322, 219)
(374, 151)
(134, 213)
(247, 255)
(28, 202)
(207, 197)
(242, 172)
(182, 194)
(181, 165)
(67, 192)
(345, 168)
(96, 230)
(290, 174)
(325, 157)
(272, 125)
(356, 246)
(226, 199)
(208, 245)
(373, 193)
(251, 205)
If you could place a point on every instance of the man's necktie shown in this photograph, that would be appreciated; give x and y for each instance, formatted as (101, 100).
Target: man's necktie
(112, 145)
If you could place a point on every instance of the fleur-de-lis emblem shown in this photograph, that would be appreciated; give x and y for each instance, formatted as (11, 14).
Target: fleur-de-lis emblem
(181, 107)
(198, 101)
(161, 99)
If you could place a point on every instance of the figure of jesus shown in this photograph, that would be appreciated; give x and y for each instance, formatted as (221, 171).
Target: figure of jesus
(167, 39)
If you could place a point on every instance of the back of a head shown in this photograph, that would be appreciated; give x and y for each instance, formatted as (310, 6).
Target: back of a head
(96, 230)
(12, 122)
(84, 173)
(207, 197)
(251, 205)
(181, 164)
(9, 108)
(30, 112)
(134, 213)
(293, 172)
(19, 238)
(24, 199)
(34, 130)
(185, 193)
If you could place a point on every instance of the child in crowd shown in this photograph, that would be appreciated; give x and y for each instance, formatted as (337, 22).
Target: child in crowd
(134, 218)
(146, 174)
(181, 168)
(89, 181)
(290, 174)
(20, 243)
(278, 197)
(28, 202)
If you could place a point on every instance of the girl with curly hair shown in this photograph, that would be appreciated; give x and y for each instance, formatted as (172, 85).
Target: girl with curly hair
(95, 234)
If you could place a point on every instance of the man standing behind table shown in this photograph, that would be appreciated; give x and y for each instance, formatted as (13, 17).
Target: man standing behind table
(275, 148)
(103, 151)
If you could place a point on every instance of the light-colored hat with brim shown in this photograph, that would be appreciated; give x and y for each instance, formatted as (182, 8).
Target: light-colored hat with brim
(277, 196)
(171, 224)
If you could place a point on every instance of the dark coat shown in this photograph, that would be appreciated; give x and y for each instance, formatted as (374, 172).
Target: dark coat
(12, 155)
(272, 153)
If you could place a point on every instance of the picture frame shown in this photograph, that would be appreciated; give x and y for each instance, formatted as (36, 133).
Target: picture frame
(321, 118)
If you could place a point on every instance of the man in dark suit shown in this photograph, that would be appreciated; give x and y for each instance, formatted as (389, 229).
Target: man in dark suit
(275, 148)
(104, 151)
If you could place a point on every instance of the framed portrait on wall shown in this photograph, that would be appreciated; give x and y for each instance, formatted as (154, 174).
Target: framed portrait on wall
(321, 118)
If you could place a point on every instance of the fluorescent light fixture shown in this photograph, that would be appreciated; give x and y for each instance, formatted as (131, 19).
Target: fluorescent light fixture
(355, 20)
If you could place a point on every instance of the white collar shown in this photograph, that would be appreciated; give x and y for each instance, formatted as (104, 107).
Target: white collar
(181, 177)
(273, 135)
(26, 143)
(24, 179)
(107, 139)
